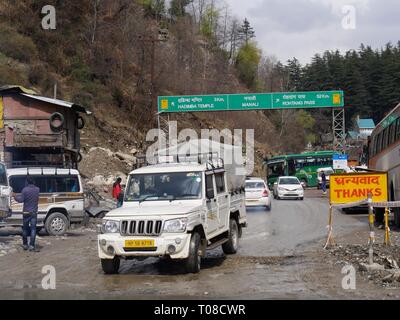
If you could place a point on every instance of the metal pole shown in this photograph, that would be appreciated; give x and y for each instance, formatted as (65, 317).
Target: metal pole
(153, 54)
(329, 240)
(387, 231)
(371, 230)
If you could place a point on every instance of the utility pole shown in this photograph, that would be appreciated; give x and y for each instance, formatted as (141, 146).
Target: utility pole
(162, 37)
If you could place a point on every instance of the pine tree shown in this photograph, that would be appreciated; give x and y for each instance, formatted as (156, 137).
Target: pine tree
(246, 32)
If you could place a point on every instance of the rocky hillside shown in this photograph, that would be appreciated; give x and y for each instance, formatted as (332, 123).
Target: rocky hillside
(100, 56)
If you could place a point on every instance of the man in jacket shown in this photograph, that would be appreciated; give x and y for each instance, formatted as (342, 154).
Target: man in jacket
(116, 192)
(323, 180)
(30, 198)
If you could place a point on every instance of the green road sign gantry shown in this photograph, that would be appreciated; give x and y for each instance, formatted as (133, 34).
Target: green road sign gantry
(257, 101)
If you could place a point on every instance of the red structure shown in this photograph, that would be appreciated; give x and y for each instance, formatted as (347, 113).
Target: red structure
(38, 131)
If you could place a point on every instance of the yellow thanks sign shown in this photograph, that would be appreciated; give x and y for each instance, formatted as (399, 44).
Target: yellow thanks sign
(353, 187)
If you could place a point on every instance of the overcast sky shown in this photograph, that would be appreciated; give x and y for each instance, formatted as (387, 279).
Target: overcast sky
(301, 28)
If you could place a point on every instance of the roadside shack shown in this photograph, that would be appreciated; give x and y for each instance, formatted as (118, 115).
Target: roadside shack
(37, 131)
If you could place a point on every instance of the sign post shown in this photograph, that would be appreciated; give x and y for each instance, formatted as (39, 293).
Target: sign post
(340, 161)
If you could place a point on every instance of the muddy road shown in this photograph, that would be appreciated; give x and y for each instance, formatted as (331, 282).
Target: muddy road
(280, 257)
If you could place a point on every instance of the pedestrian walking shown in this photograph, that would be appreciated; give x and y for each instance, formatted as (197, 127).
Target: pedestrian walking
(323, 180)
(30, 198)
(116, 192)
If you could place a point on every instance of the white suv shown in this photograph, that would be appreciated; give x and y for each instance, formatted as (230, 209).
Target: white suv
(177, 210)
(61, 200)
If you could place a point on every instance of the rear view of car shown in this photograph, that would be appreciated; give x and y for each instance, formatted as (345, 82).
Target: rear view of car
(257, 193)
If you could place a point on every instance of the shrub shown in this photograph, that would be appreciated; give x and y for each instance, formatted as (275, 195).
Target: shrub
(16, 45)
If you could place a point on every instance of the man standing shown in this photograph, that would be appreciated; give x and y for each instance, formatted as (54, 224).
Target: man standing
(30, 198)
(323, 180)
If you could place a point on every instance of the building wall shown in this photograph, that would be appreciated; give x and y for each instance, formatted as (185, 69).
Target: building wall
(26, 125)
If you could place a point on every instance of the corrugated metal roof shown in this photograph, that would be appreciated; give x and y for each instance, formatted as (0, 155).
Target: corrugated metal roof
(366, 124)
(58, 102)
(15, 89)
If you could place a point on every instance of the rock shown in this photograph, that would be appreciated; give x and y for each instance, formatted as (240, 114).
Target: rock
(129, 159)
(133, 151)
(371, 267)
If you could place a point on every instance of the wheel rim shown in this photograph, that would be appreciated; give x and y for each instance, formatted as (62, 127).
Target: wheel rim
(57, 225)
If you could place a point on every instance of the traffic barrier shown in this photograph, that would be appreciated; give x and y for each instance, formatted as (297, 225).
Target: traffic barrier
(387, 205)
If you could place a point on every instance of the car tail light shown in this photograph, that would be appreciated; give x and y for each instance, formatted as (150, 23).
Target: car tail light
(265, 193)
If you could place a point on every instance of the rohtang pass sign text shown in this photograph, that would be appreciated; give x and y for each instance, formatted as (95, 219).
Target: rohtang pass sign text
(353, 187)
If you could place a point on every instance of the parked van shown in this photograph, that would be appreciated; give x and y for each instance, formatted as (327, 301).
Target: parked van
(5, 193)
(61, 201)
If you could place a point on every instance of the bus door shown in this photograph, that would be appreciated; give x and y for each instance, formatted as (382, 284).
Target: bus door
(291, 167)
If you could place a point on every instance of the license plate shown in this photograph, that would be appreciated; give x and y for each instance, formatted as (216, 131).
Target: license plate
(139, 244)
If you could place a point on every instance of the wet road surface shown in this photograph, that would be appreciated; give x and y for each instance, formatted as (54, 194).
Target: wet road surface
(279, 257)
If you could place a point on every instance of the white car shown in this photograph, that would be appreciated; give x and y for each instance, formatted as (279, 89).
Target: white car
(257, 193)
(288, 188)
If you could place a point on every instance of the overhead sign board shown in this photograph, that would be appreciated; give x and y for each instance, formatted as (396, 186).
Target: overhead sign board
(257, 101)
(354, 187)
(340, 161)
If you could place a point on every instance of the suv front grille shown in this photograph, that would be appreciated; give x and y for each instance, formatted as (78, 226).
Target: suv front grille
(141, 227)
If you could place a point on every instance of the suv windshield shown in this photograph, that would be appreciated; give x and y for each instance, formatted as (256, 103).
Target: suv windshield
(164, 186)
(289, 181)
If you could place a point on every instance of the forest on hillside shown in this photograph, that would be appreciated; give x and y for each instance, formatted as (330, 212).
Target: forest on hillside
(101, 55)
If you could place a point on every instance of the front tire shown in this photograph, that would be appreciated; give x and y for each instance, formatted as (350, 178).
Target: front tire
(231, 246)
(110, 266)
(56, 224)
(193, 262)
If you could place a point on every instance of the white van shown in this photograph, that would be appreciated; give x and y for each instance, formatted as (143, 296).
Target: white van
(61, 199)
(5, 193)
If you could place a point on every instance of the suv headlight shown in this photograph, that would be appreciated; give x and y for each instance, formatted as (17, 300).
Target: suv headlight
(110, 226)
(175, 225)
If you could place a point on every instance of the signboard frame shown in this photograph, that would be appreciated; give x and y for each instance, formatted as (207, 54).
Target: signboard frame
(385, 192)
(251, 101)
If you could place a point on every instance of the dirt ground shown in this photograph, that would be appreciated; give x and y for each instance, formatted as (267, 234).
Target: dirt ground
(281, 256)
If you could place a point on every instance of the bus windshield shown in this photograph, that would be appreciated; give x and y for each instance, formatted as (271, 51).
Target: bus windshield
(276, 169)
(164, 186)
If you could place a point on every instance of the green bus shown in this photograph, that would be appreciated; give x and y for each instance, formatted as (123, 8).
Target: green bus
(303, 166)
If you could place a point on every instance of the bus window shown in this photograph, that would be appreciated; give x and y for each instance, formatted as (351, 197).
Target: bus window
(299, 163)
(392, 133)
(398, 129)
